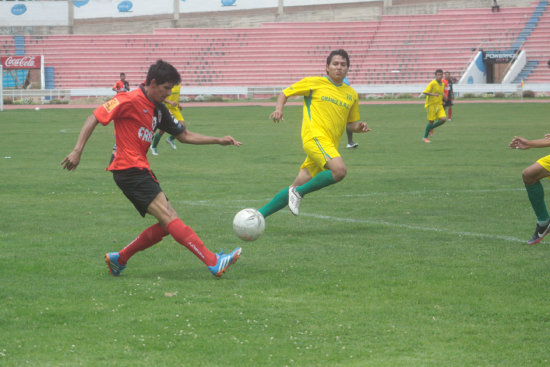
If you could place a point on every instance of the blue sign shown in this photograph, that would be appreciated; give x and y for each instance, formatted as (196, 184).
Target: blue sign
(80, 3)
(228, 2)
(18, 9)
(125, 6)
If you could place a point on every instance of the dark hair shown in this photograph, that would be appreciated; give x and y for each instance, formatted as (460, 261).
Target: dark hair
(163, 72)
(439, 71)
(340, 52)
(548, 62)
(121, 74)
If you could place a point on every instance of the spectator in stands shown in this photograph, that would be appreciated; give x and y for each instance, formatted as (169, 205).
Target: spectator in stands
(172, 102)
(122, 85)
(532, 177)
(435, 95)
(136, 116)
(495, 7)
(330, 106)
(449, 94)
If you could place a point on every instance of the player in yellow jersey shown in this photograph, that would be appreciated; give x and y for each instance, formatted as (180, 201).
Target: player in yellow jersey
(330, 106)
(173, 104)
(434, 93)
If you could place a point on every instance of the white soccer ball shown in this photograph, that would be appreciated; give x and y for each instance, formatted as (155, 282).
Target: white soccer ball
(248, 224)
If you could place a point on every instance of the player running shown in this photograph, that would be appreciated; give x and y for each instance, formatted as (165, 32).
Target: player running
(136, 116)
(434, 93)
(172, 102)
(449, 95)
(531, 179)
(330, 106)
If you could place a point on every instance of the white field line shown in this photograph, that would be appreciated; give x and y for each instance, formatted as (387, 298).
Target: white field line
(234, 204)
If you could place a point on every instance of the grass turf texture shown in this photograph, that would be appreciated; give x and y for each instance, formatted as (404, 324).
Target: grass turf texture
(416, 259)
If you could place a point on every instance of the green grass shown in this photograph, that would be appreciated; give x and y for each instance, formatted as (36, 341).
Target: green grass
(417, 258)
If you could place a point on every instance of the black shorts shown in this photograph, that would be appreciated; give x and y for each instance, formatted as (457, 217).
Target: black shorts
(448, 103)
(139, 185)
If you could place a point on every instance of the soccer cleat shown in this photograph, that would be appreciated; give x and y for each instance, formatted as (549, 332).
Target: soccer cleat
(352, 145)
(294, 200)
(154, 151)
(539, 234)
(426, 140)
(112, 262)
(449, 120)
(224, 261)
(172, 144)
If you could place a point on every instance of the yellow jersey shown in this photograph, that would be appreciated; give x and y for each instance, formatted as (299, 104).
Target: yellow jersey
(434, 87)
(328, 107)
(174, 97)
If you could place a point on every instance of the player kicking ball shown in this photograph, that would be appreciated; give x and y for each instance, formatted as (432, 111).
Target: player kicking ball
(531, 178)
(136, 115)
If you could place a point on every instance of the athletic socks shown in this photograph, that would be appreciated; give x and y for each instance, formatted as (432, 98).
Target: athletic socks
(146, 239)
(321, 180)
(438, 123)
(450, 112)
(536, 197)
(156, 140)
(181, 233)
(427, 132)
(280, 200)
(187, 237)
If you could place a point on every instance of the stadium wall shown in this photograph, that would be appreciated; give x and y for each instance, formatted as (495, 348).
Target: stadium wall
(73, 20)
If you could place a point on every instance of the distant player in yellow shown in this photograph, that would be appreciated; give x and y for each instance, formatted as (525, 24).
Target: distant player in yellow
(434, 93)
(173, 104)
(330, 106)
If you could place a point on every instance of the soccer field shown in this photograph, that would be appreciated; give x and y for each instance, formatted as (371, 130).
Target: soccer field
(417, 258)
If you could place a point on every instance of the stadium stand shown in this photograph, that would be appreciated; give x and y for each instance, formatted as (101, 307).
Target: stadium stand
(537, 47)
(392, 50)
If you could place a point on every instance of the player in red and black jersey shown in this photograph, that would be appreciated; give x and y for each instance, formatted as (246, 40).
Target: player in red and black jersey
(449, 94)
(136, 116)
(121, 85)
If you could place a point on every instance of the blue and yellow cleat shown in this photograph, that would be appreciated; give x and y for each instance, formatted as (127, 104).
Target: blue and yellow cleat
(224, 261)
(112, 262)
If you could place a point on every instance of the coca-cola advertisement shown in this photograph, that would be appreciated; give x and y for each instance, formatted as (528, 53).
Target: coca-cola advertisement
(21, 62)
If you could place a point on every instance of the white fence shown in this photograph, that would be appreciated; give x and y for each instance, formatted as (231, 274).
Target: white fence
(46, 95)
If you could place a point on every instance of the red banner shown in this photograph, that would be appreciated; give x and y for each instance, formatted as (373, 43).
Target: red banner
(21, 62)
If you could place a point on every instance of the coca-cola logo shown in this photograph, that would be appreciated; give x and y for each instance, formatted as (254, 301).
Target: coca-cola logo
(21, 62)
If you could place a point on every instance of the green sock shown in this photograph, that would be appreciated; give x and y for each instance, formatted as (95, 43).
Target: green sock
(172, 138)
(156, 140)
(536, 197)
(279, 201)
(437, 124)
(321, 180)
(428, 128)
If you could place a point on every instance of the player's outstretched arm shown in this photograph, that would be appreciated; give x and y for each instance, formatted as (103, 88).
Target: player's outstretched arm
(521, 143)
(277, 115)
(189, 137)
(73, 159)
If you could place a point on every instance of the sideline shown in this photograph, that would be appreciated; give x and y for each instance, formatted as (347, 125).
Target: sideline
(266, 104)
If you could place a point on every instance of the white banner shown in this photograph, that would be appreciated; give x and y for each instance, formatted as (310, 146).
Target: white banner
(34, 13)
(86, 9)
(56, 13)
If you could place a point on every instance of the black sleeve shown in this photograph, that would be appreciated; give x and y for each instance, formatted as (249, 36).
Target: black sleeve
(168, 123)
